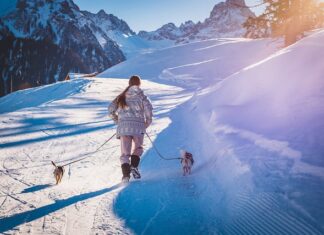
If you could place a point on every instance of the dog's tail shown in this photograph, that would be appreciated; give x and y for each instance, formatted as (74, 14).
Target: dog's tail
(53, 164)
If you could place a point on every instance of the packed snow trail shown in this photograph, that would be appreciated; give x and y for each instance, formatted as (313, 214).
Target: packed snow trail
(58, 128)
(220, 197)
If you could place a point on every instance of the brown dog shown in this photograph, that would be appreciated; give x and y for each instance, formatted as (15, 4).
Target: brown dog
(58, 173)
(186, 162)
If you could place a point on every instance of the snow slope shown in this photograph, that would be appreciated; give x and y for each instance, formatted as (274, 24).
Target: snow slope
(248, 178)
(39, 130)
(272, 112)
(40, 95)
(133, 45)
(197, 64)
(257, 136)
(280, 97)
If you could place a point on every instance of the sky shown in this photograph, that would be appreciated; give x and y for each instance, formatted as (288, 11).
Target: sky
(148, 14)
(152, 14)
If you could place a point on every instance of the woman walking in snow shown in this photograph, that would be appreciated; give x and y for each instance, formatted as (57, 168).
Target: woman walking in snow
(132, 112)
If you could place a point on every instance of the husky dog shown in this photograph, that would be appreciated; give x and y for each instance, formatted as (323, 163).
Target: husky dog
(186, 162)
(58, 173)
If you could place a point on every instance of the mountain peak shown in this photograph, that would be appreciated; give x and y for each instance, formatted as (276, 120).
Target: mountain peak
(169, 26)
(238, 3)
(101, 13)
(187, 23)
(225, 20)
(237, 7)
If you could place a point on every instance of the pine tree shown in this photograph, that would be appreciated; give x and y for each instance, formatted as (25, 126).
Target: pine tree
(257, 27)
(288, 18)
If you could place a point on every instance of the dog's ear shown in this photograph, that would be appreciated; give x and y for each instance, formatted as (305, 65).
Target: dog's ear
(53, 163)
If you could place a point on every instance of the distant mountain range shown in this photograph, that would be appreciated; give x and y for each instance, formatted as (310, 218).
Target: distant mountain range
(42, 40)
(225, 20)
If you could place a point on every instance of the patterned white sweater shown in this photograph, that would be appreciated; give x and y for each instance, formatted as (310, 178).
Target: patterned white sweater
(135, 117)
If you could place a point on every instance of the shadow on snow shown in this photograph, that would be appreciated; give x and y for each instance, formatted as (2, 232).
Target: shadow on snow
(13, 221)
(164, 201)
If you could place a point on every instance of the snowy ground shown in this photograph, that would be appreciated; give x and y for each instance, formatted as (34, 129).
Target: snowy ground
(246, 179)
(62, 130)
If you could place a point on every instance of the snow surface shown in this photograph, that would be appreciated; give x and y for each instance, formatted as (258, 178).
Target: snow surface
(133, 45)
(61, 130)
(250, 113)
(196, 64)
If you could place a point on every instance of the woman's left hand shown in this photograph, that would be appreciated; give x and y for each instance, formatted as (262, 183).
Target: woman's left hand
(146, 125)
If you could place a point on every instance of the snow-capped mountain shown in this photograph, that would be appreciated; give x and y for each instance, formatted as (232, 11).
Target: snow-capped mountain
(80, 35)
(168, 31)
(87, 42)
(108, 23)
(225, 20)
(62, 23)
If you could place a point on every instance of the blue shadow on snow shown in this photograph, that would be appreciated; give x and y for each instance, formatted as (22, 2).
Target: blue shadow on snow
(36, 188)
(15, 220)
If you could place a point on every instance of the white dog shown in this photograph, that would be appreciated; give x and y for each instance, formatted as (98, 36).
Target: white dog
(186, 162)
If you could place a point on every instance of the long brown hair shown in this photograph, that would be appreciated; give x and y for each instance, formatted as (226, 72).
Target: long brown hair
(121, 99)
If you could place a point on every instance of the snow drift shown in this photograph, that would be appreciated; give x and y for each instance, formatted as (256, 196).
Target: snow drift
(280, 97)
(268, 119)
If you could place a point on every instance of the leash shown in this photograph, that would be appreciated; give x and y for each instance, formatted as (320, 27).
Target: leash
(157, 151)
(91, 152)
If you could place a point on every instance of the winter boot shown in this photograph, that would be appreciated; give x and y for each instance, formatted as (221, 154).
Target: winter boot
(135, 160)
(126, 172)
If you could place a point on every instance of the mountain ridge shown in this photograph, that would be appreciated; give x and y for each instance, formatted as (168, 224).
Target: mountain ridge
(225, 20)
(97, 41)
(59, 23)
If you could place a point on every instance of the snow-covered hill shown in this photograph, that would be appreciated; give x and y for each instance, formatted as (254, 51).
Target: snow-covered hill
(279, 98)
(253, 124)
(258, 132)
(197, 64)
